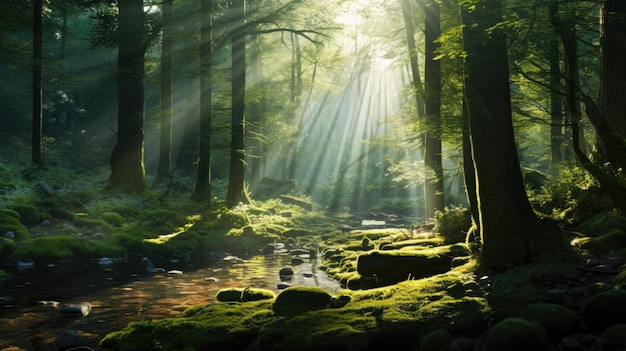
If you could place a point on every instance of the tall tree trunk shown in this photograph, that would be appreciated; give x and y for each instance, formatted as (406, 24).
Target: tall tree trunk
(505, 214)
(613, 77)
(127, 159)
(296, 97)
(37, 157)
(165, 140)
(236, 182)
(433, 182)
(202, 191)
(255, 117)
(556, 107)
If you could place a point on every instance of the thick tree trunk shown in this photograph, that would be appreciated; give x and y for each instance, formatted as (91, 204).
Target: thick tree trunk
(202, 191)
(504, 210)
(127, 159)
(37, 156)
(433, 182)
(165, 140)
(255, 116)
(613, 79)
(236, 182)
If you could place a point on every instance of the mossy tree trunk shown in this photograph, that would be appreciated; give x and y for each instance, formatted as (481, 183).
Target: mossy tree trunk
(236, 182)
(505, 215)
(127, 159)
(202, 191)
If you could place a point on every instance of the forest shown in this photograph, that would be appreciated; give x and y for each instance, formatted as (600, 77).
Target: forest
(456, 166)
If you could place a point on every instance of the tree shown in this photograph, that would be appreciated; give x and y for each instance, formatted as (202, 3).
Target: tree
(37, 157)
(433, 182)
(127, 159)
(202, 191)
(236, 182)
(505, 216)
(165, 140)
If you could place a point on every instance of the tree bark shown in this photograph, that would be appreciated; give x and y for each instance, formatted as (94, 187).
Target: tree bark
(202, 191)
(433, 182)
(236, 182)
(504, 210)
(556, 107)
(127, 159)
(165, 140)
(37, 154)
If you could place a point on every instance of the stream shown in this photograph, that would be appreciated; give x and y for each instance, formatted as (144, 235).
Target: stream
(31, 303)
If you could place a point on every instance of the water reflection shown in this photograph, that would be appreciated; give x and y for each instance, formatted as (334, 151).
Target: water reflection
(118, 295)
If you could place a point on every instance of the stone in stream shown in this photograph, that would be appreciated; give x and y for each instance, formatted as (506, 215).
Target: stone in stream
(70, 340)
(82, 309)
(285, 273)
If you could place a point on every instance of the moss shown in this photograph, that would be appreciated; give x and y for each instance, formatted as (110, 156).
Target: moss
(158, 217)
(7, 247)
(613, 339)
(29, 214)
(557, 320)
(244, 294)
(54, 248)
(298, 299)
(113, 218)
(437, 340)
(10, 222)
(515, 334)
(605, 309)
(81, 221)
(208, 327)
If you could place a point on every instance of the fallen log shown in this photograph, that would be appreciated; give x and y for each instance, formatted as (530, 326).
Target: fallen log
(402, 264)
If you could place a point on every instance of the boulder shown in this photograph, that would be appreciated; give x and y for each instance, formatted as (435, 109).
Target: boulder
(79, 309)
(605, 309)
(614, 338)
(437, 340)
(299, 299)
(69, 340)
(515, 334)
(558, 321)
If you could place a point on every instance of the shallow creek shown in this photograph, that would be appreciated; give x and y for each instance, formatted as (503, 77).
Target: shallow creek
(33, 318)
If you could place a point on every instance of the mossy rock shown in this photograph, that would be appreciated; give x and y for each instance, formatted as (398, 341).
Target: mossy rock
(515, 334)
(299, 299)
(158, 217)
(244, 295)
(29, 214)
(605, 309)
(7, 247)
(113, 218)
(437, 340)
(81, 221)
(613, 339)
(558, 321)
(603, 243)
(10, 222)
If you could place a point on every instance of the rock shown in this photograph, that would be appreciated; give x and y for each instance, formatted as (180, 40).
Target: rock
(9, 235)
(461, 343)
(282, 286)
(298, 299)
(70, 340)
(613, 339)
(285, 273)
(295, 260)
(558, 321)
(44, 189)
(6, 300)
(307, 274)
(571, 343)
(605, 309)
(175, 272)
(268, 249)
(438, 340)
(82, 309)
(211, 279)
(515, 334)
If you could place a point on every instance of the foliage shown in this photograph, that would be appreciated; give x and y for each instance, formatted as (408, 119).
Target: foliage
(453, 223)
(572, 196)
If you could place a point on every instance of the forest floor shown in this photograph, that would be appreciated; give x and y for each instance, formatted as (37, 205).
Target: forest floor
(570, 297)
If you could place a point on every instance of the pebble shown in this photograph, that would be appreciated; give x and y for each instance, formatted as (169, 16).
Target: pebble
(571, 343)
